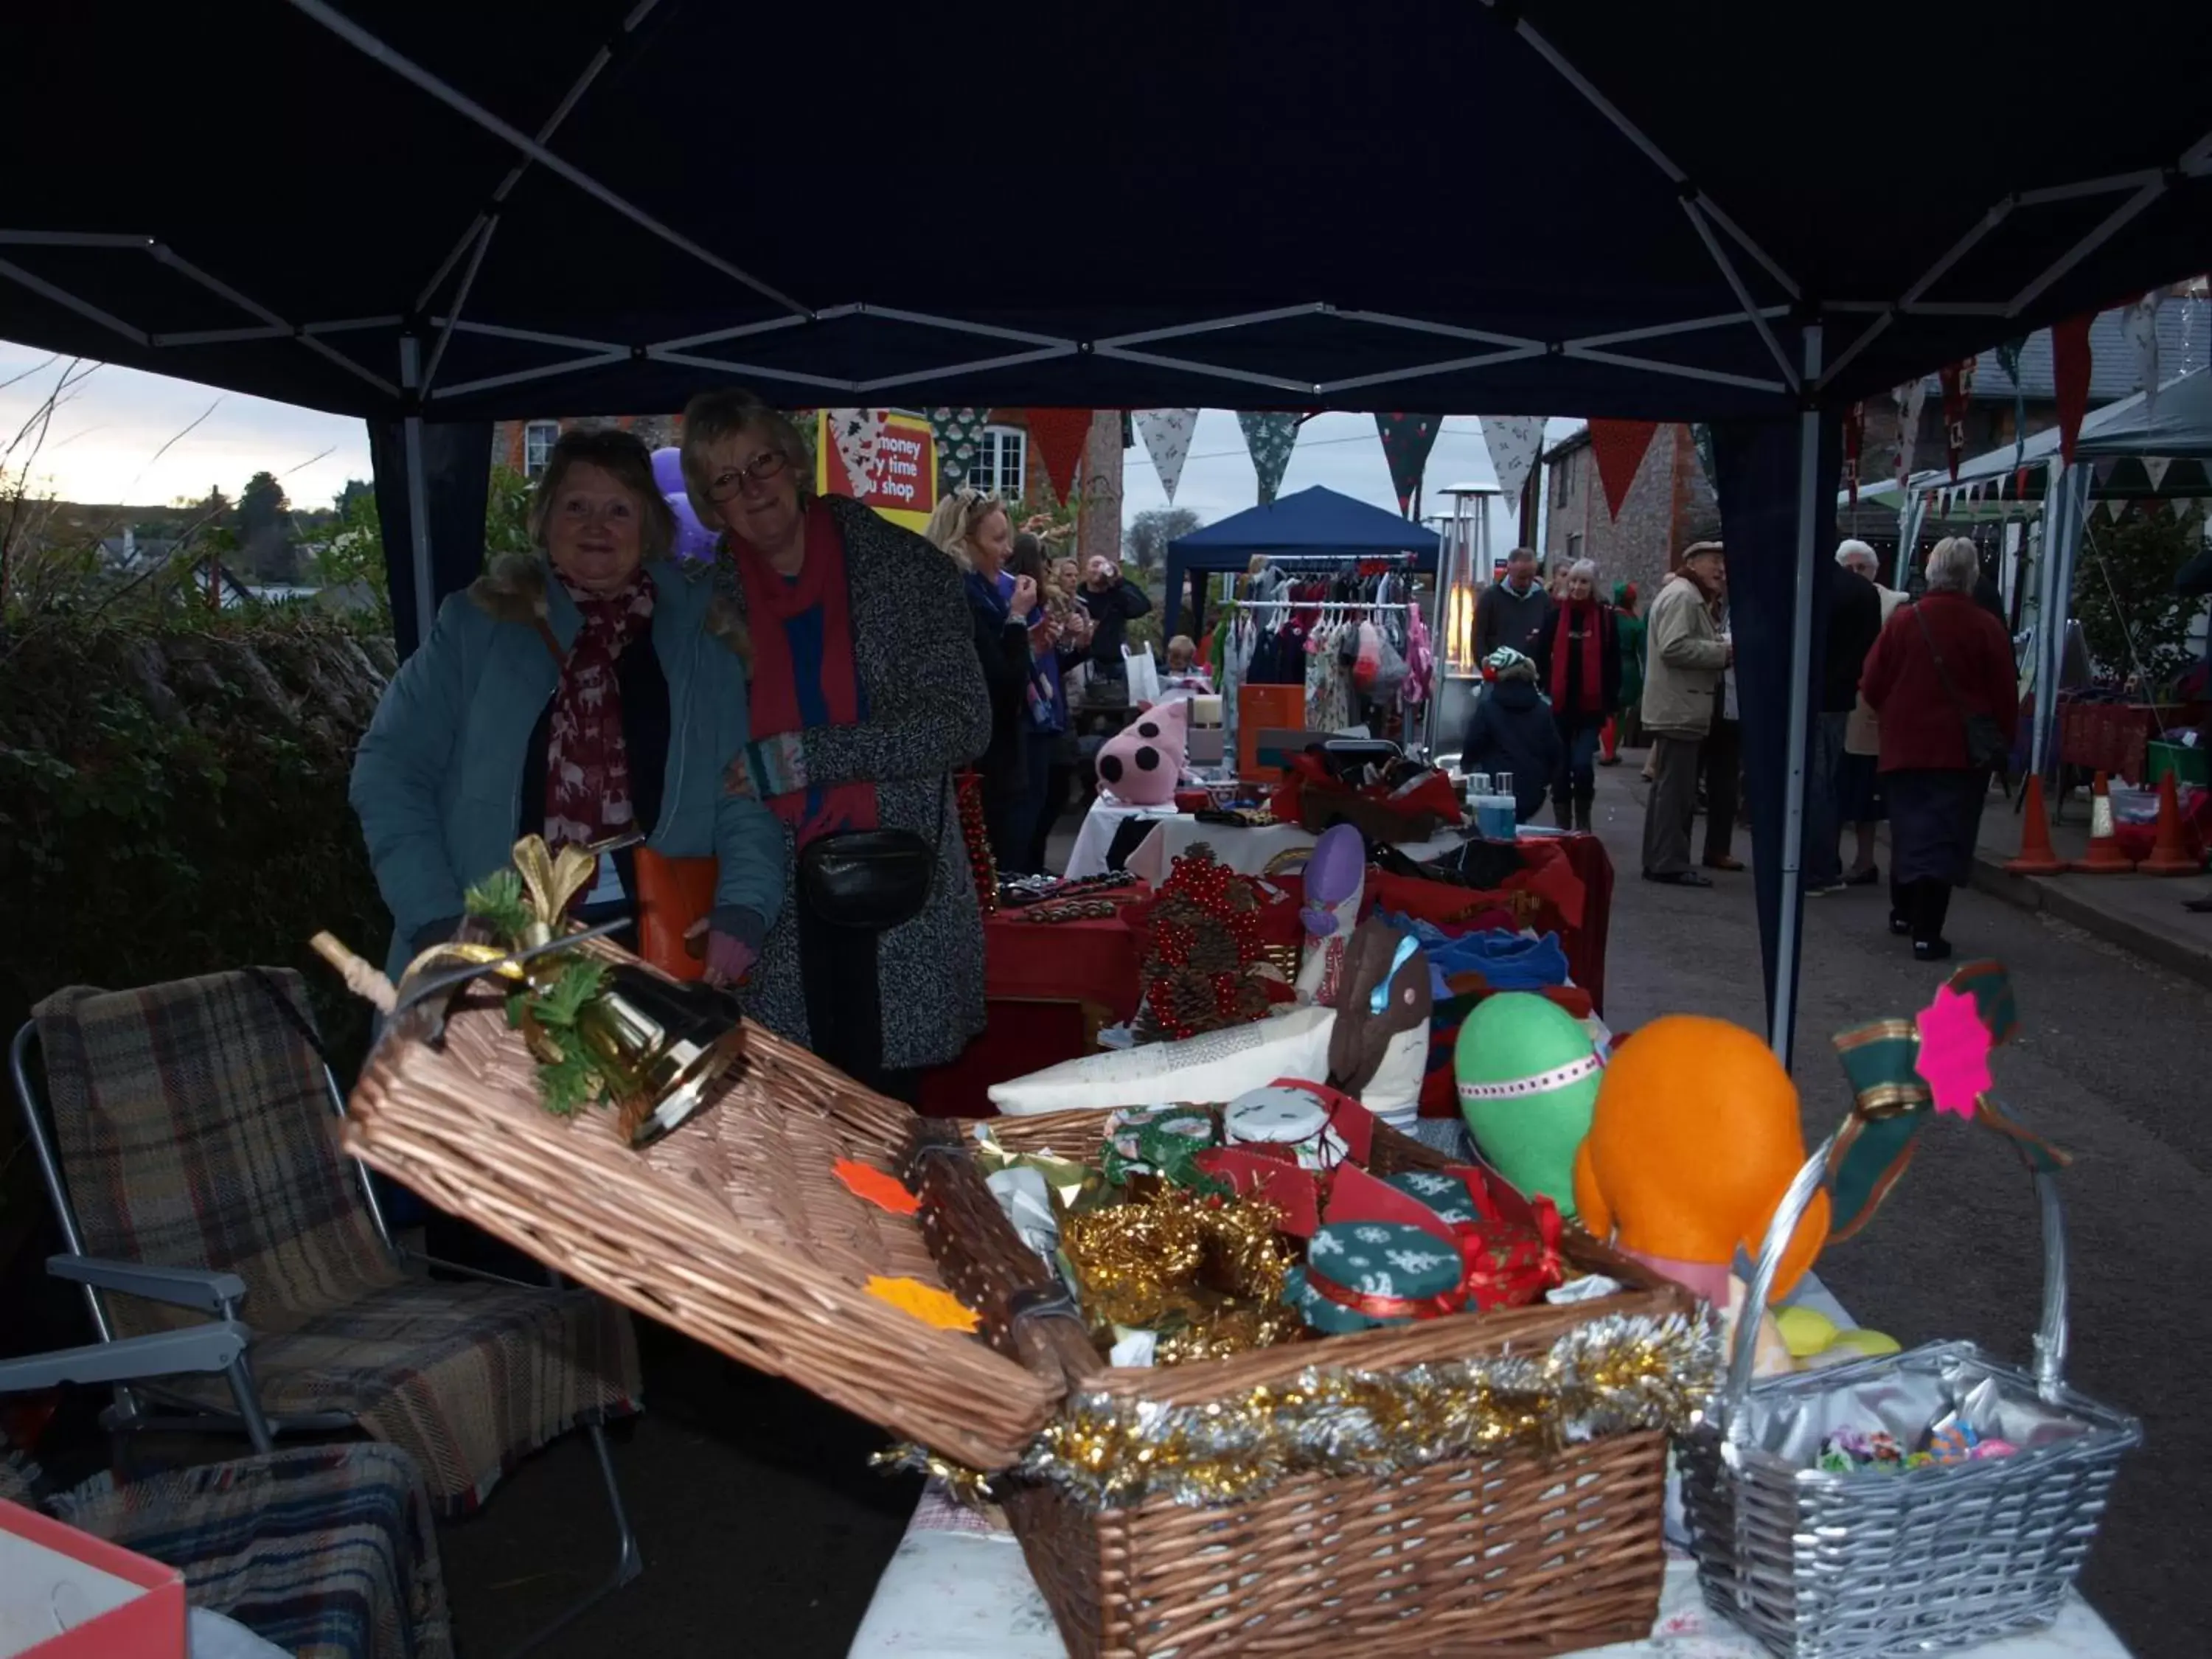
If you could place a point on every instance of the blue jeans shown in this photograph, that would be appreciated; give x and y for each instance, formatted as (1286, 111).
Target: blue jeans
(1823, 860)
(1578, 774)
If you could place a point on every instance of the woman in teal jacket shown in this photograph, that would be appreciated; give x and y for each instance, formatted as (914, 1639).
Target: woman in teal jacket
(586, 692)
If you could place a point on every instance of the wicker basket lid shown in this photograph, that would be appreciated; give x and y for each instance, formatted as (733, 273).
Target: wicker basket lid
(734, 1229)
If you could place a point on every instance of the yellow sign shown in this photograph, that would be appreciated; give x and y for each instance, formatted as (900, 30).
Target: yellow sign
(899, 479)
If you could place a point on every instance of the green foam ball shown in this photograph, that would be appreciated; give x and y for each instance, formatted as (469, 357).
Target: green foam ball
(1529, 1135)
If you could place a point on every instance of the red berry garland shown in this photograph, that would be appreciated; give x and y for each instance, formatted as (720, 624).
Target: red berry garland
(1206, 941)
(972, 830)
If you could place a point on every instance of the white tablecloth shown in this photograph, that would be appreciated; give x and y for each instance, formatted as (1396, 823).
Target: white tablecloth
(958, 1588)
(1245, 851)
(1096, 839)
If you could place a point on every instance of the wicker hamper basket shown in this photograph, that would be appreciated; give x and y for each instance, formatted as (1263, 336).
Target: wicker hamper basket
(735, 1230)
(1866, 1565)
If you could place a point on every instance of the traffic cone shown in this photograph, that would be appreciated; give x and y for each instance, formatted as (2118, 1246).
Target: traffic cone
(2169, 853)
(2037, 857)
(2105, 858)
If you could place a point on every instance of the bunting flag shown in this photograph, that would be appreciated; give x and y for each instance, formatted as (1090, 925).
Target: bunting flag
(2154, 469)
(1701, 439)
(2101, 468)
(1619, 446)
(1057, 437)
(2008, 360)
(1514, 441)
(2139, 324)
(858, 434)
(1854, 440)
(1407, 441)
(1167, 435)
(2114, 505)
(1957, 380)
(959, 433)
(2070, 373)
(1270, 437)
(1908, 398)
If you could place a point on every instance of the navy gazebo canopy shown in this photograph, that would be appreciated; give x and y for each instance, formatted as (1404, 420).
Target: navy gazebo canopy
(1315, 521)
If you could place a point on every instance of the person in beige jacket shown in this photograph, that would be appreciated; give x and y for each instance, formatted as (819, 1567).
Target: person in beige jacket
(1684, 658)
(1859, 801)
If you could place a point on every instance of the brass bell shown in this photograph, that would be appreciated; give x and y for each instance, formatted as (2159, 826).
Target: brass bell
(660, 1043)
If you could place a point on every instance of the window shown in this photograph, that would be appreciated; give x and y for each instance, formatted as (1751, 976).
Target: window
(1574, 546)
(537, 440)
(998, 463)
(1562, 480)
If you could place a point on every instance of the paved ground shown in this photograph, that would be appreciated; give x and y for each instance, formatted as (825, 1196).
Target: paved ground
(763, 1532)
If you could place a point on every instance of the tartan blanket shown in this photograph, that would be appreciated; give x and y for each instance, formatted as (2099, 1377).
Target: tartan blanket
(328, 1551)
(195, 1131)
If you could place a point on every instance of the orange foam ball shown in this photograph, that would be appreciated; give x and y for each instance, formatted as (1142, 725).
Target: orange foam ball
(1694, 1138)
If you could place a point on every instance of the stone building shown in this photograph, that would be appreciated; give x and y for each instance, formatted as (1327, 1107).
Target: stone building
(1005, 466)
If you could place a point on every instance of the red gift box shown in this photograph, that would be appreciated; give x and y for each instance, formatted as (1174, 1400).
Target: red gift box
(100, 1601)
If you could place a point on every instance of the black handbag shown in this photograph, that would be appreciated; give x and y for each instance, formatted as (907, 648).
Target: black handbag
(870, 880)
(1986, 748)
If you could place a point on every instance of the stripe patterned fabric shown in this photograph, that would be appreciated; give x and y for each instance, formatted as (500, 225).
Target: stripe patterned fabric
(328, 1551)
(195, 1131)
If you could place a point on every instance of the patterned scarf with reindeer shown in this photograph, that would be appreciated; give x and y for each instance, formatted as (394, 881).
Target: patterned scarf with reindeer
(586, 761)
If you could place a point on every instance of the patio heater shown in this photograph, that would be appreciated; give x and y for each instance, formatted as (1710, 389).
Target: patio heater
(1464, 569)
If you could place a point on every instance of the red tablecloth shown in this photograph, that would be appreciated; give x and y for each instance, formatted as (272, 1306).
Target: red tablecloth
(1037, 979)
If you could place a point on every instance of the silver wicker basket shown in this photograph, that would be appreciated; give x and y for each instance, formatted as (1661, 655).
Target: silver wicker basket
(1820, 1565)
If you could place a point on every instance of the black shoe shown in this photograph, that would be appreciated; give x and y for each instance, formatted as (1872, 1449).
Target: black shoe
(1866, 878)
(1931, 949)
(1679, 878)
(2201, 907)
(1899, 925)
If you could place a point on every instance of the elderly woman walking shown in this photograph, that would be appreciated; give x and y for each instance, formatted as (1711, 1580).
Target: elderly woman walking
(865, 698)
(580, 693)
(1008, 623)
(1579, 656)
(1942, 680)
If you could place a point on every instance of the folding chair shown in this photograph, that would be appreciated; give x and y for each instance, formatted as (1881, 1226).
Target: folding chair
(185, 1136)
(326, 1552)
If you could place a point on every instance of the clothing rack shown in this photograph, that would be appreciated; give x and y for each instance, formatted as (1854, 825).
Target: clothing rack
(1333, 559)
(1322, 605)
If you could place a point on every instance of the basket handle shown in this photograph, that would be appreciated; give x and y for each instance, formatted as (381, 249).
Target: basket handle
(2050, 1336)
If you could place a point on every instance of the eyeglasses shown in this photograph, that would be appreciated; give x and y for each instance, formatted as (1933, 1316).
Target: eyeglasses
(769, 464)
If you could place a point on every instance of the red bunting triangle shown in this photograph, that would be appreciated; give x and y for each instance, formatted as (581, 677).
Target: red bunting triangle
(1619, 446)
(1058, 436)
(2070, 370)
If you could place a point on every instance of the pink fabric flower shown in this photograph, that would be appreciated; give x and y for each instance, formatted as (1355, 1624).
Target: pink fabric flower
(1954, 1052)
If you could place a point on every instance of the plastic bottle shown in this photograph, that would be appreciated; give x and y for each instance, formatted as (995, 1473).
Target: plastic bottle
(1497, 817)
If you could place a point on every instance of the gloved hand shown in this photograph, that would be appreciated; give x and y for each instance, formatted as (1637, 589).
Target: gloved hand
(731, 939)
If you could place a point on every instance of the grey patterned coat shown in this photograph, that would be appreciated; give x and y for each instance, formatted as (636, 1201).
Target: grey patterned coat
(927, 716)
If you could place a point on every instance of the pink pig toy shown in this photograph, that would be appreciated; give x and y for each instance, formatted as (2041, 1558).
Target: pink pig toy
(1140, 766)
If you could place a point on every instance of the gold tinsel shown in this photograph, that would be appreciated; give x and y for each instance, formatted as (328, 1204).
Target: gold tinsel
(1154, 1259)
(1608, 1376)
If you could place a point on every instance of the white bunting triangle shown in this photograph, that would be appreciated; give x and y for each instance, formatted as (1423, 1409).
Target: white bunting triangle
(2154, 468)
(1513, 442)
(1167, 434)
(2139, 324)
(2114, 507)
(859, 434)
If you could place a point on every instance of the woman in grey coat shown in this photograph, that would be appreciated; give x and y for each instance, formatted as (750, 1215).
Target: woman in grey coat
(864, 696)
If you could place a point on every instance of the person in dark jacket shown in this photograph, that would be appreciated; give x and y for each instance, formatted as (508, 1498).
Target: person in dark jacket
(1578, 663)
(1938, 662)
(1112, 601)
(974, 530)
(1512, 730)
(863, 699)
(1515, 612)
(1854, 624)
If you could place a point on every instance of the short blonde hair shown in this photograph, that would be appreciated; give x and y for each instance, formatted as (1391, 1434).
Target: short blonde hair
(728, 411)
(953, 522)
(622, 457)
(1184, 643)
(1952, 566)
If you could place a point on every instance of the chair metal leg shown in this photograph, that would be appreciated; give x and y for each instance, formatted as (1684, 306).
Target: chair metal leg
(628, 1562)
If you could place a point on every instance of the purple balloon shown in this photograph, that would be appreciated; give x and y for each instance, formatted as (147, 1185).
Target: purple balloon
(693, 539)
(668, 470)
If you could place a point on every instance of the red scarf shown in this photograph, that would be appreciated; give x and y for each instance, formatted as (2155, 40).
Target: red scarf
(586, 761)
(1589, 683)
(772, 602)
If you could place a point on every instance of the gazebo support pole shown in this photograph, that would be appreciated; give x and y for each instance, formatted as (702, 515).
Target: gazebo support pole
(1788, 939)
(418, 494)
